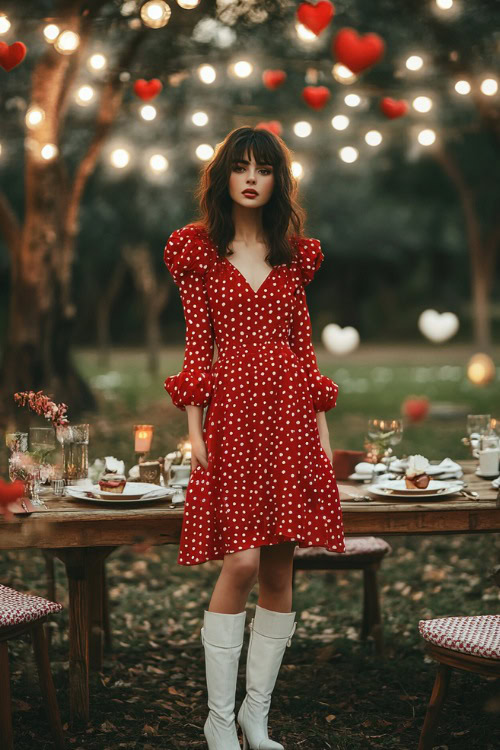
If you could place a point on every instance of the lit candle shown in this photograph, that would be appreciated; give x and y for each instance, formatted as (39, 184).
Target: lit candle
(143, 437)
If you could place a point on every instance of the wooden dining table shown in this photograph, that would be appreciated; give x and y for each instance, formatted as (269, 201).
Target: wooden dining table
(82, 534)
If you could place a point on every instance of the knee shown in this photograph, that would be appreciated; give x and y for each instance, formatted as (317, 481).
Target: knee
(244, 571)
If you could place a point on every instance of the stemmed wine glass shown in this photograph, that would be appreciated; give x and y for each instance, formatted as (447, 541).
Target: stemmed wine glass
(382, 434)
(477, 426)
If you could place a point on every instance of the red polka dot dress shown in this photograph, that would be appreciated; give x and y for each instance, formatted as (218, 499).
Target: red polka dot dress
(268, 478)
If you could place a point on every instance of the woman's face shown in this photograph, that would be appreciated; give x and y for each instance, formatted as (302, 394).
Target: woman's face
(246, 175)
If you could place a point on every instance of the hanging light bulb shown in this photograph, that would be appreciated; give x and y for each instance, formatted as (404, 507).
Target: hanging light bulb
(97, 61)
(426, 137)
(373, 138)
(414, 62)
(207, 73)
(242, 68)
(158, 163)
(119, 158)
(305, 34)
(49, 151)
(302, 128)
(462, 87)
(489, 86)
(204, 152)
(199, 118)
(34, 117)
(340, 122)
(188, 4)
(297, 170)
(148, 112)
(84, 95)
(4, 23)
(155, 14)
(444, 4)
(348, 154)
(51, 32)
(422, 104)
(67, 42)
(342, 74)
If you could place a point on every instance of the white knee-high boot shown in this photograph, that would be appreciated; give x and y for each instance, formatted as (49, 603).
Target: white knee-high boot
(270, 634)
(222, 638)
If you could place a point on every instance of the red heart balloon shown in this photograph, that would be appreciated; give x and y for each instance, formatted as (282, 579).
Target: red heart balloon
(12, 55)
(272, 79)
(316, 96)
(357, 52)
(10, 491)
(315, 17)
(415, 408)
(393, 107)
(146, 90)
(274, 126)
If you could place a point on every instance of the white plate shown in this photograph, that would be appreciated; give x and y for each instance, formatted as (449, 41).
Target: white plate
(131, 491)
(486, 476)
(118, 499)
(450, 488)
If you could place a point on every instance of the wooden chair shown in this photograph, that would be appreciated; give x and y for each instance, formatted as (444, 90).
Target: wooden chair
(362, 553)
(20, 614)
(468, 643)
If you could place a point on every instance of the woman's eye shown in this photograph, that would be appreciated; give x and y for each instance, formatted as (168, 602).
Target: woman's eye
(267, 171)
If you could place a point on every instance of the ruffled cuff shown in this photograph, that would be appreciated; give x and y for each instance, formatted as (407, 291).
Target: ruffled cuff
(190, 388)
(324, 392)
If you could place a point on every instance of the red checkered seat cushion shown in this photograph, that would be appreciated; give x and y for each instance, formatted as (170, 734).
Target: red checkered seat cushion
(17, 608)
(354, 545)
(478, 635)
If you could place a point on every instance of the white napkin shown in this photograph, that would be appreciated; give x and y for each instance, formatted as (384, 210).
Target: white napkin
(496, 483)
(447, 466)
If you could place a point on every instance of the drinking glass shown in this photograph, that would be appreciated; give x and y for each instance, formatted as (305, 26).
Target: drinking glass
(75, 447)
(42, 440)
(477, 425)
(16, 442)
(384, 433)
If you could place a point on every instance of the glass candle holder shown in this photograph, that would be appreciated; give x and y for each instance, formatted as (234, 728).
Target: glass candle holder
(74, 440)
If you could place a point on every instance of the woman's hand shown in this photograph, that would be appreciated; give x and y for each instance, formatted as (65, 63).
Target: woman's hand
(198, 452)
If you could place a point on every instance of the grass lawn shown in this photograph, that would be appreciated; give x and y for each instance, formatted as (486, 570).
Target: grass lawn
(333, 692)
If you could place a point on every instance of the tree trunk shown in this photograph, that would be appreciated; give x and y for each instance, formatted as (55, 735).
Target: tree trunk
(103, 313)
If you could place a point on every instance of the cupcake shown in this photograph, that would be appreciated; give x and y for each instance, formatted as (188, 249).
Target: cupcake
(111, 482)
(415, 474)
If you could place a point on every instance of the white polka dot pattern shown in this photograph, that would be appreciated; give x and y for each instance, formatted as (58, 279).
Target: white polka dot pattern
(478, 635)
(354, 546)
(17, 608)
(268, 478)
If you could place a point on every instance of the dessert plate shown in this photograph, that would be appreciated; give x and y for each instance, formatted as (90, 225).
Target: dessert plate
(398, 488)
(131, 491)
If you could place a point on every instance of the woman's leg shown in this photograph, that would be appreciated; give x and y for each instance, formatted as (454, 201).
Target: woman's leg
(275, 576)
(237, 578)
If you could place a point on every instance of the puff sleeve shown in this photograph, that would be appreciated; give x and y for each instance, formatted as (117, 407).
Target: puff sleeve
(323, 390)
(187, 256)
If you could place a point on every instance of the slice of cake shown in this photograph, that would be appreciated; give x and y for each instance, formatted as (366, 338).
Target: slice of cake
(415, 474)
(111, 482)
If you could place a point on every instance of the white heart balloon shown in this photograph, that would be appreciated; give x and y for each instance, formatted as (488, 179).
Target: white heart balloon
(340, 340)
(438, 327)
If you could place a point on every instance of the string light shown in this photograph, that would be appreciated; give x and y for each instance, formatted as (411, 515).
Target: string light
(444, 4)
(348, 154)
(97, 62)
(297, 170)
(67, 42)
(352, 100)
(49, 151)
(242, 68)
(426, 137)
(4, 23)
(342, 74)
(34, 117)
(84, 95)
(199, 118)
(148, 112)
(188, 4)
(51, 32)
(373, 138)
(414, 62)
(158, 163)
(340, 122)
(204, 152)
(305, 34)
(119, 158)
(489, 86)
(302, 128)
(422, 104)
(155, 14)
(462, 87)
(207, 73)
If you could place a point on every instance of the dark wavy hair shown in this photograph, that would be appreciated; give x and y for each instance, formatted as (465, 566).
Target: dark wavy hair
(282, 216)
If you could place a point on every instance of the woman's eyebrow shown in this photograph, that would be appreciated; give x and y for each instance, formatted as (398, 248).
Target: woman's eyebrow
(245, 161)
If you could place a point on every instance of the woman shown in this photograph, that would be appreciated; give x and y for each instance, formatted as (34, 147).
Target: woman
(262, 479)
